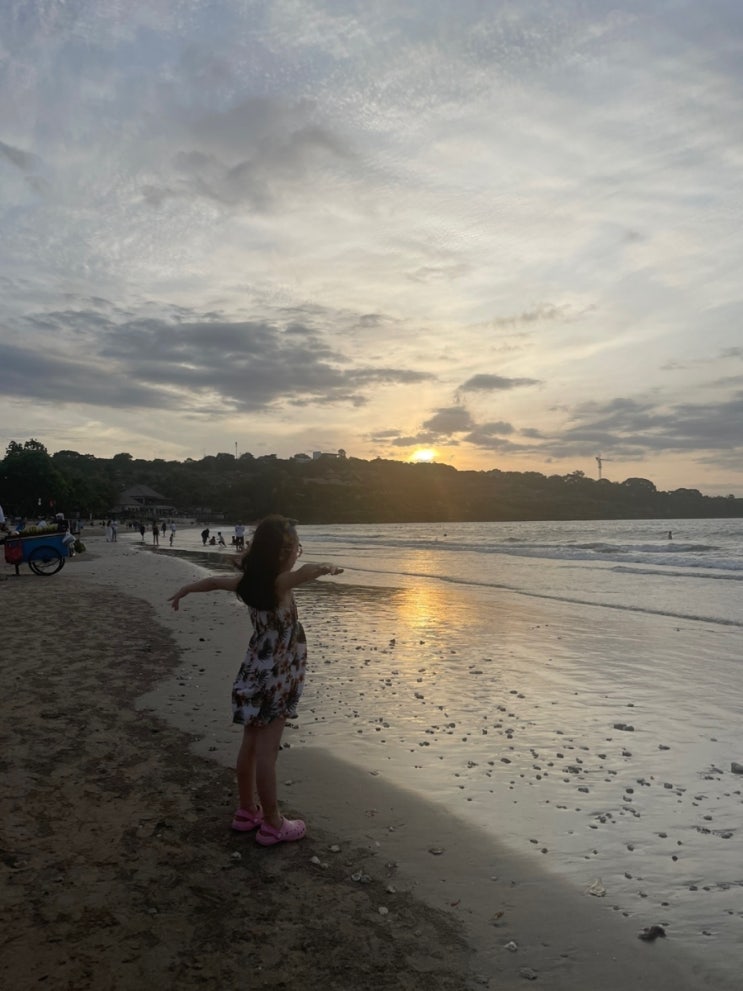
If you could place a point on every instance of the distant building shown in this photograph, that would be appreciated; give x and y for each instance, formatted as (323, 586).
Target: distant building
(141, 500)
(301, 457)
(316, 455)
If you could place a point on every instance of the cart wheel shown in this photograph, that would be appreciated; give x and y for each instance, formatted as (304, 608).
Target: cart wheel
(45, 560)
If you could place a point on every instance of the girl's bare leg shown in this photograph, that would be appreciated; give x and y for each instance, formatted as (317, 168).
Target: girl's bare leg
(246, 771)
(266, 740)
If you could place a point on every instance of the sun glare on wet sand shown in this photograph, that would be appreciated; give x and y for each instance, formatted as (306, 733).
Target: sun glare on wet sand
(423, 454)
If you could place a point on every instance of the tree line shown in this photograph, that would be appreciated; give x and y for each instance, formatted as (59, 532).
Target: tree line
(332, 490)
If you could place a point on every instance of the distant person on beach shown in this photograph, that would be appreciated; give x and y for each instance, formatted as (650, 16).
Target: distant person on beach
(271, 678)
(670, 534)
(155, 535)
(220, 539)
(114, 530)
(63, 527)
(163, 528)
(109, 536)
(142, 530)
(212, 541)
(204, 535)
(172, 533)
(240, 536)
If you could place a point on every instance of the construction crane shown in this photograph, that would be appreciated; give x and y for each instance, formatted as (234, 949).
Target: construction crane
(600, 463)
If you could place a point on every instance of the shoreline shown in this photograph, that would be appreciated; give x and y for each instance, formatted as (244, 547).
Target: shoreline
(565, 937)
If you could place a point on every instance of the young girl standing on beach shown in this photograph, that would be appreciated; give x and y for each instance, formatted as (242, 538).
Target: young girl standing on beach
(271, 678)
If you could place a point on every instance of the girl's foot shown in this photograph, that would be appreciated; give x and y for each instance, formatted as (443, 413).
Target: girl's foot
(290, 829)
(244, 820)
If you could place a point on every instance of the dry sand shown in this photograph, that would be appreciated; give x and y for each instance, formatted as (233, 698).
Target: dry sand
(120, 872)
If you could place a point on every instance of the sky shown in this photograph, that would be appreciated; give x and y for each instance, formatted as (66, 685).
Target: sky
(492, 234)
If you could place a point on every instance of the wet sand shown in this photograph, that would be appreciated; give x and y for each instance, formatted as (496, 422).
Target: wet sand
(120, 871)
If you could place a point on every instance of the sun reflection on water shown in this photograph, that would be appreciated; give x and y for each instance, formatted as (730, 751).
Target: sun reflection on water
(420, 608)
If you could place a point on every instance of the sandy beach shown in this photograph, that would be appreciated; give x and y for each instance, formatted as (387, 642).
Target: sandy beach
(120, 871)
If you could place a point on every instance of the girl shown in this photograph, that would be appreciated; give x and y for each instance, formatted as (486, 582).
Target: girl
(270, 681)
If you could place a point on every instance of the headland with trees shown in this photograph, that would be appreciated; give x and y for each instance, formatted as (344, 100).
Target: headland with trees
(332, 489)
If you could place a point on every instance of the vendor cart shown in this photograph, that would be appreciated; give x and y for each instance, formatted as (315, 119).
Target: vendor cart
(45, 553)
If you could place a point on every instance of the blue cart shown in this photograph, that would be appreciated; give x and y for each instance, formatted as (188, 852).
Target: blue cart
(45, 553)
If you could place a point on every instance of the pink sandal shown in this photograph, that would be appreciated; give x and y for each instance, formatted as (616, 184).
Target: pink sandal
(244, 820)
(290, 829)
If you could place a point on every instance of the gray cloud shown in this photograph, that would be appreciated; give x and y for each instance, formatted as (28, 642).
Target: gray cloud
(383, 435)
(622, 429)
(401, 376)
(546, 311)
(631, 429)
(494, 383)
(22, 160)
(485, 433)
(414, 440)
(46, 377)
(28, 164)
(449, 420)
(199, 365)
(250, 153)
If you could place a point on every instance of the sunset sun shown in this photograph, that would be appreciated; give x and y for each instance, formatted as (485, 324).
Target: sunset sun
(423, 454)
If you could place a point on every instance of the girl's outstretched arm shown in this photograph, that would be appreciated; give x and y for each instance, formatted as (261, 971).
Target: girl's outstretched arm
(307, 573)
(216, 583)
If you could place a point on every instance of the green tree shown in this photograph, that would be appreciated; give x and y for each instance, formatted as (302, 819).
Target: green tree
(31, 483)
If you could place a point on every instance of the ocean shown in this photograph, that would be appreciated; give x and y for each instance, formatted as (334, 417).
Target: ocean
(621, 564)
(575, 688)
(626, 564)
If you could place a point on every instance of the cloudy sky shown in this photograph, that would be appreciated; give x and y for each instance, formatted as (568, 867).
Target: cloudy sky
(500, 234)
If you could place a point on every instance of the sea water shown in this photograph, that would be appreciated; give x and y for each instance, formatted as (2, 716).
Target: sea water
(573, 687)
(684, 568)
(628, 564)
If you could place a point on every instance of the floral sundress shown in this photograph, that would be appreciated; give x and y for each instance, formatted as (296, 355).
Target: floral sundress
(270, 681)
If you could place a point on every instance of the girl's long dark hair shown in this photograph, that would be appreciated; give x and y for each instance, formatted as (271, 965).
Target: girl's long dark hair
(269, 549)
